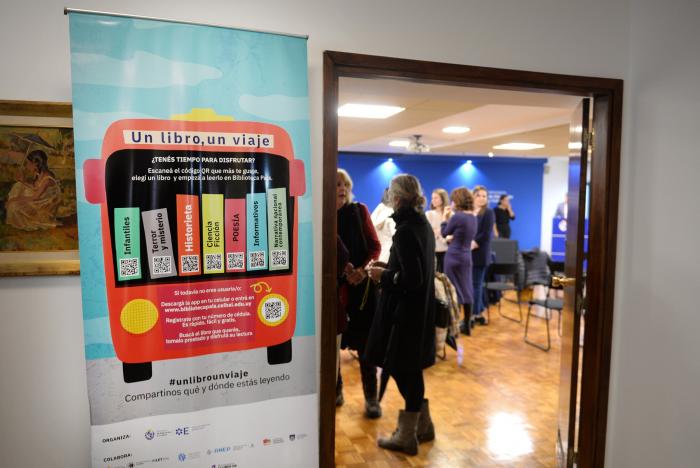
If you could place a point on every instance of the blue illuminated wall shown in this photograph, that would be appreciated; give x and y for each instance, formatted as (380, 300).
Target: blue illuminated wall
(519, 177)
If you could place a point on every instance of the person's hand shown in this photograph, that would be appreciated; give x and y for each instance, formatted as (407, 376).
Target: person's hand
(350, 273)
(357, 276)
(374, 263)
(348, 269)
(352, 278)
(447, 213)
(375, 272)
(449, 238)
(474, 245)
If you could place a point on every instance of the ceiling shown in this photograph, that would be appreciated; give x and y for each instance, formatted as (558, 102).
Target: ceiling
(493, 116)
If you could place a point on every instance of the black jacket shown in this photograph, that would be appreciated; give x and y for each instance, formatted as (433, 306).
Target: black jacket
(402, 337)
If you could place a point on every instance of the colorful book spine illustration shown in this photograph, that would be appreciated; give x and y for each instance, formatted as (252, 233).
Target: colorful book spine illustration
(256, 232)
(278, 232)
(213, 232)
(235, 214)
(189, 251)
(127, 243)
(159, 243)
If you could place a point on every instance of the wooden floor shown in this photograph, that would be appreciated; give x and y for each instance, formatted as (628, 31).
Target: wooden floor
(498, 409)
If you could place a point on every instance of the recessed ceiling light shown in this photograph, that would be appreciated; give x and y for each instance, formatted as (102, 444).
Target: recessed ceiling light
(456, 129)
(490, 154)
(518, 146)
(368, 111)
(574, 145)
(399, 143)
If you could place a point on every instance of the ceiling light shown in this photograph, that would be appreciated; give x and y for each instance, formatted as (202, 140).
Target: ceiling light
(490, 154)
(399, 143)
(518, 146)
(418, 146)
(575, 145)
(368, 111)
(455, 129)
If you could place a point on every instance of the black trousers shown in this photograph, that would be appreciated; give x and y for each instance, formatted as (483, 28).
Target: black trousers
(368, 374)
(412, 388)
(440, 262)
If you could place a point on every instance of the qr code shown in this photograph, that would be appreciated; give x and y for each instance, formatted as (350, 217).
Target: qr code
(278, 258)
(213, 262)
(162, 265)
(234, 260)
(257, 259)
(273, 310)
(129, 267)
(189, 263)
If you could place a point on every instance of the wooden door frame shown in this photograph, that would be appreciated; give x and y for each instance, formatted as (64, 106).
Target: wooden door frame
(605, 175)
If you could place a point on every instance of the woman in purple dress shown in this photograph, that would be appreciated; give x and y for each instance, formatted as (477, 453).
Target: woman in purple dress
(459, 228)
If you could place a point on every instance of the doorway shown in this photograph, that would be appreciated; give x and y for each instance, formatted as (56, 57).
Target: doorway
(603, 208)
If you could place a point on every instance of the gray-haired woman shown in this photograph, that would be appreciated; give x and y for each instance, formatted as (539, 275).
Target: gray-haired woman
(402, 337)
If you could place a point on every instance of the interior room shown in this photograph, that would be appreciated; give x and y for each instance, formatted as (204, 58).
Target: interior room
(454, 136)
(651, 384)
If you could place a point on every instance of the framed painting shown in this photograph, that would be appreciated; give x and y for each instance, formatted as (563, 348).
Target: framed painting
(38, 213)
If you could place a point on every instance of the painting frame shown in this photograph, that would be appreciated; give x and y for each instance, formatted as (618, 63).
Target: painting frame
(56, 115)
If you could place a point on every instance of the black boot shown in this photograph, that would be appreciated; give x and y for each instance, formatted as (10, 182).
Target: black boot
(466, 326)
(369, 387)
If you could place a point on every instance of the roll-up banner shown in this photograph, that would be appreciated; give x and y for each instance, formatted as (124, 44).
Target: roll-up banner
(194, 211)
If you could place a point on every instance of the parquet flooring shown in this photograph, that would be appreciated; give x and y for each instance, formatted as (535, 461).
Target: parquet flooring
(498, 409)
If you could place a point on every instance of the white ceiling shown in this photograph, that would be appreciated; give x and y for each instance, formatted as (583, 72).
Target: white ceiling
(494, 117)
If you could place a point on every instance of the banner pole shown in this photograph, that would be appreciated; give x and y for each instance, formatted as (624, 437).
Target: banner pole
(67, 10)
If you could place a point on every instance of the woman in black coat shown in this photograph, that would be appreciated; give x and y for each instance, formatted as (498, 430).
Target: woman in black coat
(402, 337)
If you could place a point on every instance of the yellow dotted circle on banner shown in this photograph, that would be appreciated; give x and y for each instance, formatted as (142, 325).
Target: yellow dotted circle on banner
(139, 316)
(273, 310)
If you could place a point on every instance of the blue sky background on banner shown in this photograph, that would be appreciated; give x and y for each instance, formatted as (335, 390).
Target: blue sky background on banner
(129, 68)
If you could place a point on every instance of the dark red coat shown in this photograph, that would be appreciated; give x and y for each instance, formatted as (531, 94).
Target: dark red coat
(356, 231)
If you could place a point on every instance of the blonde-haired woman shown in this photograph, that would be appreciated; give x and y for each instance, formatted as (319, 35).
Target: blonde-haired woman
(402, 338)
(357, 233)
(481, 248)
(438, 203)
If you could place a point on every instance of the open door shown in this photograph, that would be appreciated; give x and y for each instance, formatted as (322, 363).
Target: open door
(574, 286)
(604, 189)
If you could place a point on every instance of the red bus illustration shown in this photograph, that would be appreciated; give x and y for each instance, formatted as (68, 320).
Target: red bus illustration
(199, 234)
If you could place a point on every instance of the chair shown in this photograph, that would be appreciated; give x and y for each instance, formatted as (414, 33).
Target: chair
(549, 304)
(505, 264)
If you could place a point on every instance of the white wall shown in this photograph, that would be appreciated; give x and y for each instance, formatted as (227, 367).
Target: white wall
(652, 416)
(44, 413)
(555, 184)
